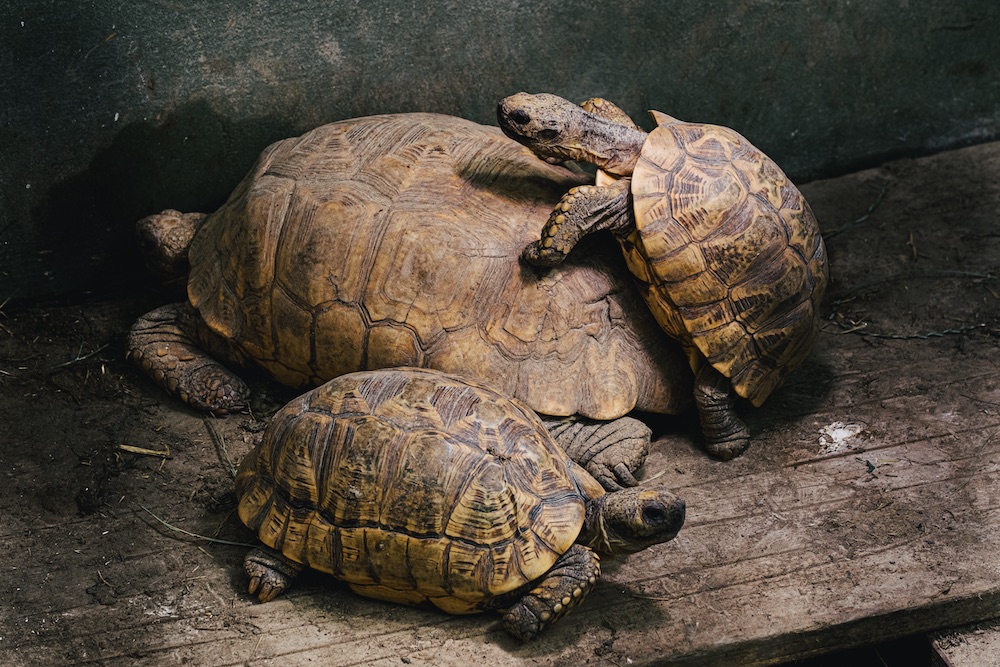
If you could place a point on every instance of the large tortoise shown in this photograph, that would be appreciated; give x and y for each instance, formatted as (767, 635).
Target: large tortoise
(415, 486)
(725, 248)
(394, 241)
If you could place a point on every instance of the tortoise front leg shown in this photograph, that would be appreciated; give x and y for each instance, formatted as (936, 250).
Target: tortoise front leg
(270, 573)
(169, 344)
(561, 589)
(726, 436)
(581, 211)
(610, 451)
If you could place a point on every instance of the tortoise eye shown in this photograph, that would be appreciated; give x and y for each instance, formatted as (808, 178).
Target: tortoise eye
(547, 135)
(519, 116)
(654, 515)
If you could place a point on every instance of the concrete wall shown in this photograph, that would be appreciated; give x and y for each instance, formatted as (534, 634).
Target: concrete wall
(110, 111)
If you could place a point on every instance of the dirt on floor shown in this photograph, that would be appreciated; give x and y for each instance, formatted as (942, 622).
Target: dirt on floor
(98, 462)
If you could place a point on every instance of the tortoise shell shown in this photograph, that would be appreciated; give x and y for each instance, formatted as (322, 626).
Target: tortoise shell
(394, 241)
(412, 486)
(729, 251)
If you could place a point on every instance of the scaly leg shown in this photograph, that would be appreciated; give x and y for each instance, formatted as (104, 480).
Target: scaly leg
(270, 573)
(174, 346)
(726, 436)
(561, 589)
(610, 451)
(581, 211)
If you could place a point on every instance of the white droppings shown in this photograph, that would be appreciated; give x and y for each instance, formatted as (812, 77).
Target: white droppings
(947, 415)
(836, 437)
(163, 611)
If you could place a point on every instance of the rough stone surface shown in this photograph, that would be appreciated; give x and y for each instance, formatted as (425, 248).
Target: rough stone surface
(110, 111)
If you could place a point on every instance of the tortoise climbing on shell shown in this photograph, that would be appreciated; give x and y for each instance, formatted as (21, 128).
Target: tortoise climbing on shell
(394, 241)
(417, 486)
(725, 249)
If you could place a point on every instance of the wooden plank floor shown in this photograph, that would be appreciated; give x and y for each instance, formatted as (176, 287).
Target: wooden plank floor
(867, 508)
(970, 646)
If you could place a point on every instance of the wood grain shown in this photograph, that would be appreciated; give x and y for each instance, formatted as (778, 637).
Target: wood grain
(867, 507)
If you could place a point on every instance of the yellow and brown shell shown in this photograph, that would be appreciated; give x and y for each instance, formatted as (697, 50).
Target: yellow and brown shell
(394, 241)
(730, 252)
(412, 486)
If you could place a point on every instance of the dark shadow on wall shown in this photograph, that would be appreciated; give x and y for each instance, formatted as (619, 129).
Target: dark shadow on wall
(190, 161)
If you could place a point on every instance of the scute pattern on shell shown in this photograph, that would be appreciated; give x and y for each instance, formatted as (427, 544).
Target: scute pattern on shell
(731, 251)
(394, 241)
(412, 486)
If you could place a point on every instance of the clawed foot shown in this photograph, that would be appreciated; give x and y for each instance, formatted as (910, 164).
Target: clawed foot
(726, 436)
(270, 573)
(563, 588)
(535, 254)
(612, 452)
(730, 447)
(165, 344)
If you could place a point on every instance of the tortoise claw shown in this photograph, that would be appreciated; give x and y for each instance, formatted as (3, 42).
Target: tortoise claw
(731, 447)
(726, 436)
(270, 573)
(563, 588)
(538, 256)
(612, 452)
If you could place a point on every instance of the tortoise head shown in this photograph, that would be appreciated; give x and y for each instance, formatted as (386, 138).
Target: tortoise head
(629, 520)
(164, 239)
(555, 129)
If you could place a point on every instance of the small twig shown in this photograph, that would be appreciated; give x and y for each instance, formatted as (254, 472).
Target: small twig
(255, 647)
(220, 447)
(854, 329)
(861, 330)
(647, 480)
(861, 327)
(165, 453)
(80, 357)
(924, 335)
(196, 535)
(101, 576)
(867, 214)
(911, 275)
(2, 305)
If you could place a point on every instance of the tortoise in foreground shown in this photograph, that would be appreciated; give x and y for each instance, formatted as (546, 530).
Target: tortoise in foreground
(726, 251)
(415, 486)
(394, 241)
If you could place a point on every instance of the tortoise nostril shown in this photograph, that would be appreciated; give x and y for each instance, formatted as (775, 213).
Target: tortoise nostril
(519, 116)
(660, 515)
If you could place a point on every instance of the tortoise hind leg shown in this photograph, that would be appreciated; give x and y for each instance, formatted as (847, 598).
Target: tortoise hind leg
(726, 436)
(562, 588)
(270, 573)
(174, 346)
(612, 452)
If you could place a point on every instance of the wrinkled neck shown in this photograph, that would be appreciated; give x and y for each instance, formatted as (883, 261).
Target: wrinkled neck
(610, 146)
(595, 533)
